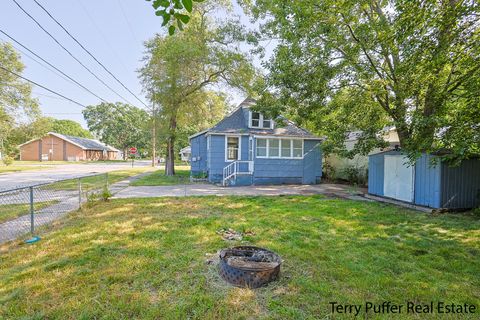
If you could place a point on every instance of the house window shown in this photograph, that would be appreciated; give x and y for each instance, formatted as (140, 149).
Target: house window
(286, 151)
(273, 147)
(279, 148)
(261, 147)
(257, 121)
(233, 145)
(297, 148)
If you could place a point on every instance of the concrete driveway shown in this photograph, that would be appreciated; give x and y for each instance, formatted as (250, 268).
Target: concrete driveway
(332, 190)
(63, 171)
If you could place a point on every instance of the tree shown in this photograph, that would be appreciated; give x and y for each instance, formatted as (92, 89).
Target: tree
(173, 11)
(412, 64)
(180, 73)
(120, 125)
(16, 103)
(70, 127)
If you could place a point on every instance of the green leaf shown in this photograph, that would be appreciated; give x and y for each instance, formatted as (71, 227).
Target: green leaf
(198, 0)
(182, 17)
(166, 19)
(171, 30)
(178, 4)
(160, 12)
(188, 5)
(180, 25)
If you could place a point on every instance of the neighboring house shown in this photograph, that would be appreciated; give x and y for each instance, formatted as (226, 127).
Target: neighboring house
(186, 154)
(246, 148)
(424, 183)
(340, 164)
(58, 147)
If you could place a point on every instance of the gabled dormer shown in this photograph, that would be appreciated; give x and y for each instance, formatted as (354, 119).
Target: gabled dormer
(258, 121)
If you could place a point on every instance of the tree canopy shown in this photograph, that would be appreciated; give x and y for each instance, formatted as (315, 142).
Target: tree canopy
(350, 65)
(120, 125)
(17, 107)
(69, 127)
(181, 73)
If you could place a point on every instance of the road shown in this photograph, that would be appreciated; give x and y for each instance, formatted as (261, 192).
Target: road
(64, 171)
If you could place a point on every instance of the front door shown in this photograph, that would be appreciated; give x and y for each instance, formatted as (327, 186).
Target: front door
(398, 178)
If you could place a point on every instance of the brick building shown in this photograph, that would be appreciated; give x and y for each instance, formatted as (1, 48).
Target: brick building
(59, 147)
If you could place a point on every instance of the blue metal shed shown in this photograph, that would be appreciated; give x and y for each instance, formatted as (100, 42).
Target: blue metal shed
(425, 184)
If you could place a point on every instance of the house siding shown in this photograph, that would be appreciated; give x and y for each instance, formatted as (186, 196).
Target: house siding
(199, 150)
(460, 185)
(290, 171)
(217, 155)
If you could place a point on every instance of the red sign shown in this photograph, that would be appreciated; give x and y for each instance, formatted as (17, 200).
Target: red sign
(133, 150)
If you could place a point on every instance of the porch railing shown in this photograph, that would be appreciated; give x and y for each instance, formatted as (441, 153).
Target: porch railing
(235, 168)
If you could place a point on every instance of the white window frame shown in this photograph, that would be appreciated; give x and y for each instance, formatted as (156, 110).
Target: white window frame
(239, 147)
(260, 121)
(280, 148)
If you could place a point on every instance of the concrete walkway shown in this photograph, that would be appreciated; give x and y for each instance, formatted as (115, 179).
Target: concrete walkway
(332, 190)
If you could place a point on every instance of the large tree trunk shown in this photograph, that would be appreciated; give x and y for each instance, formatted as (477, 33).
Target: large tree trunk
(170, 161)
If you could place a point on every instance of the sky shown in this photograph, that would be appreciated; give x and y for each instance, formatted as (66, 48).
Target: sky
(112, 30)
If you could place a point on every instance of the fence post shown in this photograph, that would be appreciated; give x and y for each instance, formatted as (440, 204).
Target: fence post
(32, 226)
(79, 193)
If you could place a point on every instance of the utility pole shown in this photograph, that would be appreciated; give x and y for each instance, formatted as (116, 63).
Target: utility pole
(154, 133)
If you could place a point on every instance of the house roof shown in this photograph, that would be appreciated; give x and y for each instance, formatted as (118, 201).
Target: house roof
(236, 123)
(84, 143)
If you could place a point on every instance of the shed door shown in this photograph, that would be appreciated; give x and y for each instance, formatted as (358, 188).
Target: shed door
(398, 178)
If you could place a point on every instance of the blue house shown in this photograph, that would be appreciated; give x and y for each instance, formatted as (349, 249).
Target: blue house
(246, 148)
(424, 183)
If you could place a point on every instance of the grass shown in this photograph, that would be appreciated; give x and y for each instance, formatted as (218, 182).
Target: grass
(147, 259)
(158, 178)
(60, 162)
(12, 211)
(97, 181)
(18, 168)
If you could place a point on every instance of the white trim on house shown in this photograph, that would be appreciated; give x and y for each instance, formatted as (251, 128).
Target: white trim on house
(267, 156)
(260, 121)
(197, 134)
(239, 154)
(277, 136)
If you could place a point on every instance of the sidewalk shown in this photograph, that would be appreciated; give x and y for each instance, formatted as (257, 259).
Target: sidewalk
(331, 190)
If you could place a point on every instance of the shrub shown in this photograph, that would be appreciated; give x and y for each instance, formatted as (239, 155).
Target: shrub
(106, 194)
(7, 160)
(328, 171)
(355, 175)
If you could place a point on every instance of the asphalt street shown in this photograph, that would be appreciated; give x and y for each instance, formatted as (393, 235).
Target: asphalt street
(63, 171)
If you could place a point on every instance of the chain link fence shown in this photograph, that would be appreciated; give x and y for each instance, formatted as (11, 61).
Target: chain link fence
(25, 209)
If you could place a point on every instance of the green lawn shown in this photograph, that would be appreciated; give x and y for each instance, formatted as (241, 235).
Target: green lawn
(17, 168)
(97, 181)
(12, 211)
(147, 259)
(158, 178)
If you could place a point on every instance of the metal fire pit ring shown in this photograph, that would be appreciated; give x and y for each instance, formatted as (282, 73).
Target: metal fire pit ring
(249, 266)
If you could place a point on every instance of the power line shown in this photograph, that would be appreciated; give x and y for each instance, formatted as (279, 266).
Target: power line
(51, 65)
(43, 87)
(127, 20)
(88, 52)
(100, 32)
(37, 61)
(76, 59)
